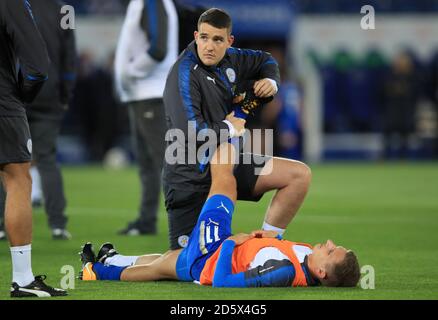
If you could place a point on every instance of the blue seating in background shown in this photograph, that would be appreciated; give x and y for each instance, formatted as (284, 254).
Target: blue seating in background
(352, 88)
(353, 6)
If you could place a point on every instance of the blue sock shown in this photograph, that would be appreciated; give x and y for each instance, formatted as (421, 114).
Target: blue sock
(107, 272)
(238, 113)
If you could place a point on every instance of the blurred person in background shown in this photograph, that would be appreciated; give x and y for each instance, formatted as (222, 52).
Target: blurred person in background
(96, 106)
(400, 96)
(36, 196)
(147, 48)
(46, 112)
(188, 15)
(288, 122)
(24, 68)
(433, 87)
(283, 114)
(104, 6)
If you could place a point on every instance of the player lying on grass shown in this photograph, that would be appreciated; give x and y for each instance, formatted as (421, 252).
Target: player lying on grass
(215, 257)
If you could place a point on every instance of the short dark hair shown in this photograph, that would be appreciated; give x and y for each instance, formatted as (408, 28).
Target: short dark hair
(217, 18)
(346, 273)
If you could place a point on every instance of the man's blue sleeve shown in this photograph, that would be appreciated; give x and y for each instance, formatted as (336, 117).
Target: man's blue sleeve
(254, 64)
(223, 276)
(183, 99)
(274, 273)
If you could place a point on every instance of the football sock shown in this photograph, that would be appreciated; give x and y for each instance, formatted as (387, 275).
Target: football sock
(268, 227)
(121, 261)
(107, 272)
(21, 265)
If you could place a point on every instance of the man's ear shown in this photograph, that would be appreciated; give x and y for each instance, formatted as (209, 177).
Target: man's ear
(195, 35)
(230, 40)
(322, 273)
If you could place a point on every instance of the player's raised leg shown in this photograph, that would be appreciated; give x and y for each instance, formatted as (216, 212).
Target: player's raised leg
(222, 179)
(221, 201)
(223, 194)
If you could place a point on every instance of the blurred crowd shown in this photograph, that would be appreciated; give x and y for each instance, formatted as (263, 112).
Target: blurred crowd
(349, 6)
(381, 95)
(303, 6)
(97, 6)
(396, 96)
(95, 114)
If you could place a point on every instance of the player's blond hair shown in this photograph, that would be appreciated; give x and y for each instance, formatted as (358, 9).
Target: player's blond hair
(345, 273)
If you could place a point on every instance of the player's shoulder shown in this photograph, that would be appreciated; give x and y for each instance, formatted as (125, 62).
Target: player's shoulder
(234, 51)
(186, 68)
(186, 61)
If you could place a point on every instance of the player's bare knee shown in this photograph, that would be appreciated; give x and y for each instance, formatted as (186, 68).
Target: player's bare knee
(306, 173)
(300, 174)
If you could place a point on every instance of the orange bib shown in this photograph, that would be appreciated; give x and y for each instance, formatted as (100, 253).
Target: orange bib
(245, 253)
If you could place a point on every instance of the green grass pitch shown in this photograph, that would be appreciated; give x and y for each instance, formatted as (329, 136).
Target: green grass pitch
(387, 213)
